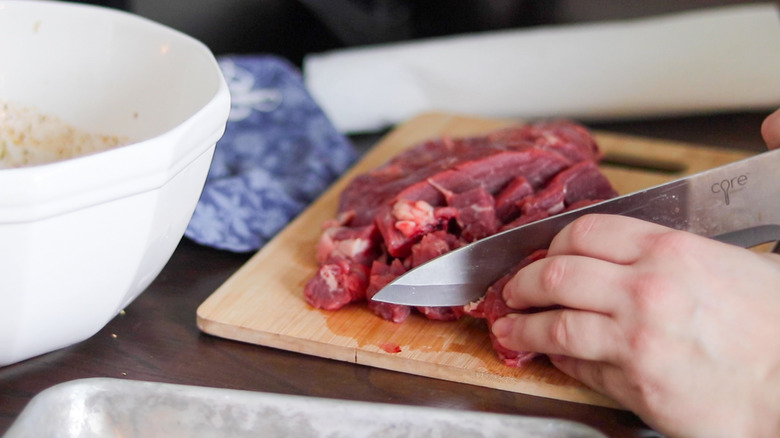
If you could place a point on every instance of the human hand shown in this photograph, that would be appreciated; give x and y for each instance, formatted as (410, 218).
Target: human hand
(681, 329)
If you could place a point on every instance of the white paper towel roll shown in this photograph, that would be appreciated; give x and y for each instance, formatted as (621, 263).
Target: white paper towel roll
(726, 58)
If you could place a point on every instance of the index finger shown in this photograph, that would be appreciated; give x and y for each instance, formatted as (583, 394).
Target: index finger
(612, 238)
(569, 281)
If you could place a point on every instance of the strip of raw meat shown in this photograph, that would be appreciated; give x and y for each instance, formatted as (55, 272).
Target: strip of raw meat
(337, 284)
(581, 181)
(476, 213)
(358, 244)
(509, 198)
(525, 219)
(381, 275)
(492, 306)
(568, 139)
(539, 215)
(404, 222)
(497, 170)
(429, 247)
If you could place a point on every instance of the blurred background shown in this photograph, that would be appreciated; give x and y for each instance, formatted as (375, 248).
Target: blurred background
(292, 28)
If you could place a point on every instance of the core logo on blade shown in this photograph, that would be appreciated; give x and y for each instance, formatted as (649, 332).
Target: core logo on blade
(729, 186)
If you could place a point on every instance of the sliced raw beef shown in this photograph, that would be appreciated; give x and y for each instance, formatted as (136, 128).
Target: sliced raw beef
(582, 181)
(534, 151)
(492, 306)
(358, 244)
(508, 200)
(405, 222)
(446, 193)
(381, 275)
(429, 247)
(474, 210)
(336, 284)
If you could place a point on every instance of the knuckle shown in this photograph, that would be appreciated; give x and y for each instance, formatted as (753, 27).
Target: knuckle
(553, 273)
(560, 330)
(580, 231)
(651, 291)
(641, 343)
(673, 244)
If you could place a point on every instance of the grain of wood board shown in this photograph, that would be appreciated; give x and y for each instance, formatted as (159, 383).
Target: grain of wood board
(262, 303)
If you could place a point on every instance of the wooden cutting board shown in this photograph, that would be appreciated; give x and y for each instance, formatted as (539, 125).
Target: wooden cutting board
(262, 303)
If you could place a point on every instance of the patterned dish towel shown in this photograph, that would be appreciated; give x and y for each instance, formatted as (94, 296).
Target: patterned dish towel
(278, 153)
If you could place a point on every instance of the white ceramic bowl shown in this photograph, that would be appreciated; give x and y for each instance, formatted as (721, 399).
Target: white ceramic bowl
(81, 238)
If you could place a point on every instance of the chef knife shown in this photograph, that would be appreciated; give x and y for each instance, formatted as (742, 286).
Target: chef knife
(738, 203)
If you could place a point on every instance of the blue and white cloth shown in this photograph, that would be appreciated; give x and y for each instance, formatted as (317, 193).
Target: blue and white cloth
(278, 153)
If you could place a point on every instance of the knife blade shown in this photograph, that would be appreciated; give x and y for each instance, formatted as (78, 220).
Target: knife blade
(737, 203)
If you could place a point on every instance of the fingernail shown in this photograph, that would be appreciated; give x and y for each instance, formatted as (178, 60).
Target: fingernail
(502, 327)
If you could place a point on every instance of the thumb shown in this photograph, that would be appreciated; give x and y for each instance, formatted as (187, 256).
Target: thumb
(601, 377)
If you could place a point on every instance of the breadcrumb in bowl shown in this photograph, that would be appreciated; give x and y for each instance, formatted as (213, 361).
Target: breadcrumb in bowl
(28, 137)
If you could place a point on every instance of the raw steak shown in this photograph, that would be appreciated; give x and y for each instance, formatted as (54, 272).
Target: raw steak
(446, 193)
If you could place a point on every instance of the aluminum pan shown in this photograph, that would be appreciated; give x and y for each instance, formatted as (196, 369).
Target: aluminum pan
(102, 407)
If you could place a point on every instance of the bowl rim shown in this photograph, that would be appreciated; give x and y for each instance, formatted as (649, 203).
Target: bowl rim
(144, 170)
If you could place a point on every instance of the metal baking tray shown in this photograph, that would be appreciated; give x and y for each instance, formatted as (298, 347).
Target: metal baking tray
(104, 407)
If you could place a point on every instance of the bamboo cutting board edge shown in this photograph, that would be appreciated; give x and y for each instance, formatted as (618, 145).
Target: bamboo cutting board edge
(383, 360)
(236, 310)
